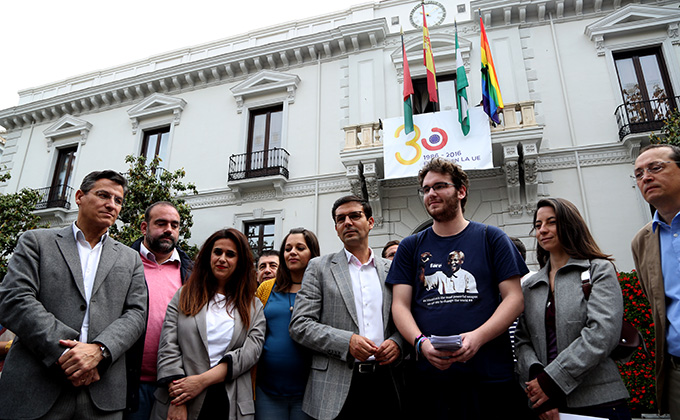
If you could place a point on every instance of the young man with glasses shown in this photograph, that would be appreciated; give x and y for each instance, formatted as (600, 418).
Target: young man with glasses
(458, 277)
(77, 301)
(342, 313)
(656, 252)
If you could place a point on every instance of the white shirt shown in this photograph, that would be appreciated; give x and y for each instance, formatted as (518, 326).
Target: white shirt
(368, 298)
(151, 257)
(220, 327)
(89, 262)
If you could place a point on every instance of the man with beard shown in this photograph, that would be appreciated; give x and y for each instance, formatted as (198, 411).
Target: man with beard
(476, 381)
(166, 268)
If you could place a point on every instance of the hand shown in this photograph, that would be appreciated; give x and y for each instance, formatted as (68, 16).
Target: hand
(535, 393)
(388, 352)
(86, 379)
(440, 359)
(361, 348)
(79, 359)
(470, 347)
(551, 414)
(185, 389)
(177, 412)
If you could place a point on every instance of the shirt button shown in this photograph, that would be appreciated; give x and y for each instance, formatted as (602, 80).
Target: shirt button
(83, 307)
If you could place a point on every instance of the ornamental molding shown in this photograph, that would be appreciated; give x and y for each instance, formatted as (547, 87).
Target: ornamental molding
(500, 13)
(634, 19)
(155, 105)
(67, 126)
(293, 189)
(228, 67)
(566, 159)
(266, 82)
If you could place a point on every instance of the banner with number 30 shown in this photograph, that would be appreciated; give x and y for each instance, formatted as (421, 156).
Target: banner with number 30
(436, 134)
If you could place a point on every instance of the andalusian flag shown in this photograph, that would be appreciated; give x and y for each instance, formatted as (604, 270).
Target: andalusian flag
(491, 92)
(428, 60)
(461, 94)
(408, 91)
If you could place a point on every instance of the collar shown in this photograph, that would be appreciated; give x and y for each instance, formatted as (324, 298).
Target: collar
(542, 275)
(351, 259)
(656, 221)
(79, 236)
(151, 257)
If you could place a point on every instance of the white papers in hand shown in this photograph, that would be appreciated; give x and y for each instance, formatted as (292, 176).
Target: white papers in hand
(448, 342)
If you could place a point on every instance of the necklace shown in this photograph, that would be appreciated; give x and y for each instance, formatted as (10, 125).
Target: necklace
(290, 302)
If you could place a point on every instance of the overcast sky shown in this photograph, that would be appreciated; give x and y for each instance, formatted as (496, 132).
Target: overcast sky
(45, 41)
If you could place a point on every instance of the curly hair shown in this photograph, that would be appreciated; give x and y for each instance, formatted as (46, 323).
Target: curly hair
(442, 166)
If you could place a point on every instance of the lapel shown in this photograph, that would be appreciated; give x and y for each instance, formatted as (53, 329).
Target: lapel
(340, 273)
(108, 257)
(69, 250)
(652, 264)
(236, 339)
(382, 270)
(202, 328)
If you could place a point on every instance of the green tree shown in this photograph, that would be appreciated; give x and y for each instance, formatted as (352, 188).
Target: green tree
(16, 217)
(670, 132)
(148, 184)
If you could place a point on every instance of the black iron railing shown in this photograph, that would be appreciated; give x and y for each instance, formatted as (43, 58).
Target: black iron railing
(258, 164)
(55, 196)
(643, 116)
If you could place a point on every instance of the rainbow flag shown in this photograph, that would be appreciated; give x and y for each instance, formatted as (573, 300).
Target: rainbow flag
(408, 91)
(428, 61)
(491, 91)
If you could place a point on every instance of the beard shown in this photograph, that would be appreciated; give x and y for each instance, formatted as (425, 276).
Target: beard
(447, 211)
(161, 244)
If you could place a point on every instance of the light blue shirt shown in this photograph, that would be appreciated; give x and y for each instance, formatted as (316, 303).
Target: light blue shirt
(670, 267)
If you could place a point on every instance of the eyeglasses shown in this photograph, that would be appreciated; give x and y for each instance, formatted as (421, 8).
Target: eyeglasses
(652, 167)
(436, 187)
(353, 216)
(105, 196)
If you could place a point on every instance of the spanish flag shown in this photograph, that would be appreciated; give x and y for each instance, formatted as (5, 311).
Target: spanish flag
(491, 91)
(428, 60)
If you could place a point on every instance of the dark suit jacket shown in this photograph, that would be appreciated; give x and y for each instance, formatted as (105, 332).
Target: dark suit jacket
(134, 356)
(324, 320)
(42, 300)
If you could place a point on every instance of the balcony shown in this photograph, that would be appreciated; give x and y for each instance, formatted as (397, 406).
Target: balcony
(257, 169)
(259, 164)
(644, 116)
(58, 196)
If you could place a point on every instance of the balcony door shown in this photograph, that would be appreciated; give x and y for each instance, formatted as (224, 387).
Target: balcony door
(264, 135)
(61, 180)
(645, 86)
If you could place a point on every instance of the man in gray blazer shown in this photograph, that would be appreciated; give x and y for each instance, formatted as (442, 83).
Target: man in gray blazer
(342, 313)
(77, 301)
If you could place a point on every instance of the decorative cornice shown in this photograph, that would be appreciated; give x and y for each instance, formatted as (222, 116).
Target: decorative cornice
(67, 126)
(156, 104)
(593, 156)
(266, 81)
(227, 67)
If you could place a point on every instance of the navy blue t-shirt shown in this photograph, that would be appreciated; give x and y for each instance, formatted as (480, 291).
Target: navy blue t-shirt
(455, 286)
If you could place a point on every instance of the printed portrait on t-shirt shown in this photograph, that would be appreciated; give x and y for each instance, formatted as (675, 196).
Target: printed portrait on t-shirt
(449, 279)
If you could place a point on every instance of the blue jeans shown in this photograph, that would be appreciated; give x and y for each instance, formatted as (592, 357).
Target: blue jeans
(146, 401)
(273, 407)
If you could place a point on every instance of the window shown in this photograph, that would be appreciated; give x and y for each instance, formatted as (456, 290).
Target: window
(446, 91)
(260, 236)
(264, 135)
(155, 143)
(645, 85)
(63, 171)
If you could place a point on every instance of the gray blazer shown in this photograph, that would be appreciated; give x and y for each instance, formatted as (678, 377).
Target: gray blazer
(587, 332)
(324, 320)
(42, 300)
(183, 351)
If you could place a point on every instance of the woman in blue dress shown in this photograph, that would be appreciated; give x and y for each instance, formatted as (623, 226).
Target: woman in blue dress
(284, 365)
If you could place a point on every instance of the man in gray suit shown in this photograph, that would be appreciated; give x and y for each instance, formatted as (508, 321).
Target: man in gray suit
(77, 301)
(342, 313)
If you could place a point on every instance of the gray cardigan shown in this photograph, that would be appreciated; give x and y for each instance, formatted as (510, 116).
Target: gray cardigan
(587, 332)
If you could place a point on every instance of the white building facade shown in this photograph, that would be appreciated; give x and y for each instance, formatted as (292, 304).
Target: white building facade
(273, 126)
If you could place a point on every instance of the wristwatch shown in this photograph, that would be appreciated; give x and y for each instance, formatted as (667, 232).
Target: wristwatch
(105, 352)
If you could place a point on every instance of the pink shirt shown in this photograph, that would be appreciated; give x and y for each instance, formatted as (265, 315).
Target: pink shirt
(163, 281)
